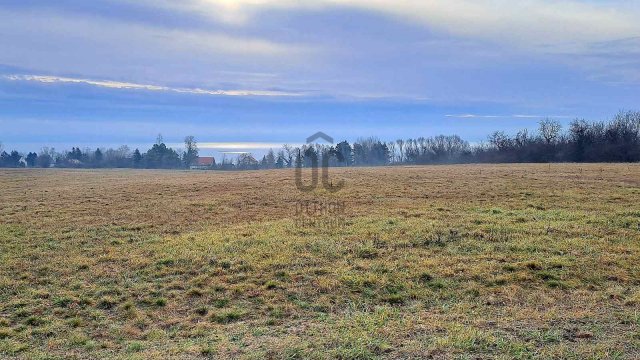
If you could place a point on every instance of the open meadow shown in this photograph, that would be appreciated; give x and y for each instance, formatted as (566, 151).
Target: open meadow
(470, 261)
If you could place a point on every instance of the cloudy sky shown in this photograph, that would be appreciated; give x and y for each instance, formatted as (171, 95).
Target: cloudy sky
(244, 74)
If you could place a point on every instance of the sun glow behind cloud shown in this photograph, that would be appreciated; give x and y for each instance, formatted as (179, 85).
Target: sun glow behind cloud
(527, 22)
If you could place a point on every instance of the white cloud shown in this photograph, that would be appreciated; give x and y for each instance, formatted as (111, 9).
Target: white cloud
(133, 86)
(517, 116)
(547, 28)
(97, 47)
(462, 43)
(472, 116)
(543, 117)
(522, 22)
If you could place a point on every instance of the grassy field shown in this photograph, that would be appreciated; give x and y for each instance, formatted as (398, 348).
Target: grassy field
(513, 261)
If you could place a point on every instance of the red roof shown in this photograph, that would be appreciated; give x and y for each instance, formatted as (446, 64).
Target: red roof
(204, 161)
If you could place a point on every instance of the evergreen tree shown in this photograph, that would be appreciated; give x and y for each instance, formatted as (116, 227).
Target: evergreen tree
(162, 157)
(11, 160)
(280, 162)
(31, 159)
(270, 159)
(137, 158)
(98, 157)
(345, 153)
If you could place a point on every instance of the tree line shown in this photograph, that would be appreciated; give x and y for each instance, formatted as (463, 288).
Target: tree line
(617, 140)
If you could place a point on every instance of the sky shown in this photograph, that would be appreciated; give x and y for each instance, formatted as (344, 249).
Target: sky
(244, 75)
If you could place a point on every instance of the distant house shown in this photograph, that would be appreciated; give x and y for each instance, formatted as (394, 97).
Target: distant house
(203, 163)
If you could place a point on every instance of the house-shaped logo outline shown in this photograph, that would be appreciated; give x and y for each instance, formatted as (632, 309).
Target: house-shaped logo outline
(319, 135)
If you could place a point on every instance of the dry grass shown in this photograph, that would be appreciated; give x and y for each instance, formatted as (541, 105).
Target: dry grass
(519, 261)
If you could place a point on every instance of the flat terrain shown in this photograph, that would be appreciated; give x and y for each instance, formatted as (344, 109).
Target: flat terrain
(480, 261)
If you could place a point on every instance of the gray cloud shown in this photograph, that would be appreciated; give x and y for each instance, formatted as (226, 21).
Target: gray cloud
(534, 53)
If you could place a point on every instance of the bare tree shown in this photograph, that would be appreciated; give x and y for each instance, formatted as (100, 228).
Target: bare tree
(400, 143)
(522, 138)
(550, 130)
(423, 147)
(46, 157)
(392, 151)
(500, 140)
(290, 151)
(190, 150)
